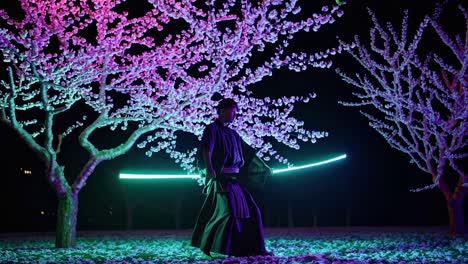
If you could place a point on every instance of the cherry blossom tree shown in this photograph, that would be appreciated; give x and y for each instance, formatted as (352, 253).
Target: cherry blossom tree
(79, 68)
(420, 100)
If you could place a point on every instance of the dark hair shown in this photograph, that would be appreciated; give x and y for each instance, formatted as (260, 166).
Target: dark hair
(226, 103)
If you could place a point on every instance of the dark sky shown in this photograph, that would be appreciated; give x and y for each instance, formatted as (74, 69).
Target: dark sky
(371, 187)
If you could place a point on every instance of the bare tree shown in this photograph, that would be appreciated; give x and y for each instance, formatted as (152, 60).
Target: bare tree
(420, 100)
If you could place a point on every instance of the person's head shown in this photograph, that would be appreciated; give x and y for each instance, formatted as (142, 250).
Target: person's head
(227, 110)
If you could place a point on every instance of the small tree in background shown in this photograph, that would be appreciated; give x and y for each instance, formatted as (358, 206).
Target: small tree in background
(80, 68)
(421, 101)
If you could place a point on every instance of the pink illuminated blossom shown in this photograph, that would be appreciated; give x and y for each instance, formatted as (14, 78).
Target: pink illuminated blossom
(151, 80)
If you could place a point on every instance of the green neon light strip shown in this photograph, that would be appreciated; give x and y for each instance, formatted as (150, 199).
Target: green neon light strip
(195, 176)
(310, 165)
(158, 176)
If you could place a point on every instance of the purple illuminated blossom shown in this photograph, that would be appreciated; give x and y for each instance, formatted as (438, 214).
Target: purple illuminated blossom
(64, 53)
(420, 100)
(161, 91)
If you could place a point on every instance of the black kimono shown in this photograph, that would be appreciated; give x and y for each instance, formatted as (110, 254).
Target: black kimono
(230, 221)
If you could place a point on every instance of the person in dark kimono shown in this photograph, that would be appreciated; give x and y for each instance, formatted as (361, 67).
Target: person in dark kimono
(229, 221)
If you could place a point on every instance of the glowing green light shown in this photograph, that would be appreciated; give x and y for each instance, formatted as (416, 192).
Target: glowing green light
(310, 165)
(158, 176)
(195, 176)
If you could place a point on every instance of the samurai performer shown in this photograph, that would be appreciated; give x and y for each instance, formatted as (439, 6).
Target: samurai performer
(229, 221)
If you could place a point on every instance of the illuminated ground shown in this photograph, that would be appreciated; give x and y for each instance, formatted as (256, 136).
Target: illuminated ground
(291, 245)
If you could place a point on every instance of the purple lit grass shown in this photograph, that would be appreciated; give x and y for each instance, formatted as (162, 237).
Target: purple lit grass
(290, 245)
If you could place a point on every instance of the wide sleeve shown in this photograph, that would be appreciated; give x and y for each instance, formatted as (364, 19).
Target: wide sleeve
(207, 142)
(208, 139)
(255, 172)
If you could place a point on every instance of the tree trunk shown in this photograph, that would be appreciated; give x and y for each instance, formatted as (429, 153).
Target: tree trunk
(67, 212)
(454, 205)
(267, 217)
(315, 218)
(178, 213)
(128, 209)
(290, 215)
(456, 218)
(129, 217)
(348, 217)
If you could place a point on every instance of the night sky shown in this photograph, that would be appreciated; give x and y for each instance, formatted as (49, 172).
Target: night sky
(369, 188)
